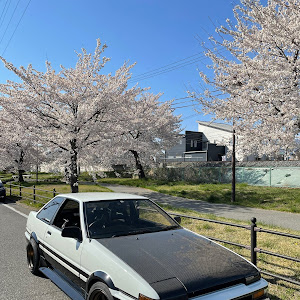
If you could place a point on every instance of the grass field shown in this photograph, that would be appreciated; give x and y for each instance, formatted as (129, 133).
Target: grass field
(274, 198)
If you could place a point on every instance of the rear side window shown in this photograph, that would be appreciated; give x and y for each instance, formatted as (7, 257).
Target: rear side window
(1, 184)
(47, 213)
(68, 215)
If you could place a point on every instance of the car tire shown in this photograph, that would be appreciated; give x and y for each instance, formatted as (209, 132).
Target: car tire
(99, 291)
(33, 257)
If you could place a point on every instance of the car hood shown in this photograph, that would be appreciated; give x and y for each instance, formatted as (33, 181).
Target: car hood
(180, 258)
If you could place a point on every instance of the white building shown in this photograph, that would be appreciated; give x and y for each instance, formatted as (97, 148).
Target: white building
(221, 134)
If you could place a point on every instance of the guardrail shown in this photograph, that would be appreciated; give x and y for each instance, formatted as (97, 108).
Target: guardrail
(24, 192)
(252, 228)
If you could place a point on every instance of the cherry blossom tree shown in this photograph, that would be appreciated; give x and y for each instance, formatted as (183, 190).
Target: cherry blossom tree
(149, 128)
(73, 109)
(18, 148)
(255, 84)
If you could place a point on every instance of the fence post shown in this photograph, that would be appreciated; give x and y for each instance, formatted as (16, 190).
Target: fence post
(20, 190)
(253, 241)
(54, 192)
(34, 194)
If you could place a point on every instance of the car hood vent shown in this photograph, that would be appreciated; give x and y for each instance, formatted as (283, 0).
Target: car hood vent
(199, 264)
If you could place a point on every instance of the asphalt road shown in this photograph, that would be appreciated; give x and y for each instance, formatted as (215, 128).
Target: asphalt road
(15, 279)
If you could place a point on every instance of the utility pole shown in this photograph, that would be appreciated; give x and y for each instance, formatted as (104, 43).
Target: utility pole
(233, 167)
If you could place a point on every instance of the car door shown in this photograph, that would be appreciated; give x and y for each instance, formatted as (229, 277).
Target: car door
(64, 253)
(44, 218)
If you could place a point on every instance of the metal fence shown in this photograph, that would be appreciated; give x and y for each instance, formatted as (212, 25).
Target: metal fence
(30, 193)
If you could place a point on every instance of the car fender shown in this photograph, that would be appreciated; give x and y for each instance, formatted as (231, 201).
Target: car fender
(95, 257)
(34, 236)
(99, 276)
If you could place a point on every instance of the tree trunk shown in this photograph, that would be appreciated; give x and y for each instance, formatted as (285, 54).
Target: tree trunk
(73, 167)
(138, 164)
(20, 164)
(20, 174)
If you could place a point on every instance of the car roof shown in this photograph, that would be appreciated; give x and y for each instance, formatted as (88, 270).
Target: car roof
(100, 196)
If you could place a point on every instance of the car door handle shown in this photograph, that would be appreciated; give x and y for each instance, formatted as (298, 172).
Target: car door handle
(49, 232)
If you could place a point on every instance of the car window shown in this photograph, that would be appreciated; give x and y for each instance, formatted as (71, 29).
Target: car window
(1, 184)
(48, 211)
(68, 215)
(125, 217)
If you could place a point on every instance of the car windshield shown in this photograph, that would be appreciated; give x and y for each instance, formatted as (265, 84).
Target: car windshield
(115, 218)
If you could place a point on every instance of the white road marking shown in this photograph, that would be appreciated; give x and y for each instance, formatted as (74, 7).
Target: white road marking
(18, 212)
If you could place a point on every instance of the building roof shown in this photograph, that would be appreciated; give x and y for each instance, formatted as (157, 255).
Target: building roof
(99, 196)
(220, 126)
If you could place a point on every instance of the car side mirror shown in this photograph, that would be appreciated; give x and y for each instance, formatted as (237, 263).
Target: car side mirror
(177, 219)
(72, 232)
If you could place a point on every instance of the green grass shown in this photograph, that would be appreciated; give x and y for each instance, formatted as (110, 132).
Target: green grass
(51, 177)
(5, 176)
(273, 198)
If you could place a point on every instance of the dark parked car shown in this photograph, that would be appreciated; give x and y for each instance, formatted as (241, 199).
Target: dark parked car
(2, 191)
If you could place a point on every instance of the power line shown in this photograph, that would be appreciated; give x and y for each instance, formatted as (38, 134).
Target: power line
(184, 106)
(169, 67)
(186, 101)
(16, 26)
(3, 9)
(9, 21)
(181, 98)
(5, 12)
(190, 116)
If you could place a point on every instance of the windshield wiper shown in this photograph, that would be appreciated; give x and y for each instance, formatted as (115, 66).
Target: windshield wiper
(146, 231)
(170, 227)
(127, 233)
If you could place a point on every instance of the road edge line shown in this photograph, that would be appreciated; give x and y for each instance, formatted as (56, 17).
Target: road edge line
(20, 213)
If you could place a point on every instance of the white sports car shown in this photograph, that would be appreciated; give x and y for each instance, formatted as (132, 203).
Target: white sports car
(119, 246)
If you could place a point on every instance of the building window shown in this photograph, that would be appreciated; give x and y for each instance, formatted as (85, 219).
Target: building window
(195, 144)
(192, 143)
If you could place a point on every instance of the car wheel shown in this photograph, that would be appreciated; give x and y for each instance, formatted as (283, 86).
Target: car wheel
(99, 291)
(33, 257)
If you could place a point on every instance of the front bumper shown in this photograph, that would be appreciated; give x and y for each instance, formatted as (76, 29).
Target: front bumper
(235, 292)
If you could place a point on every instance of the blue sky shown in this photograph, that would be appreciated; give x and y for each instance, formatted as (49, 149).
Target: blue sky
(152, 33)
